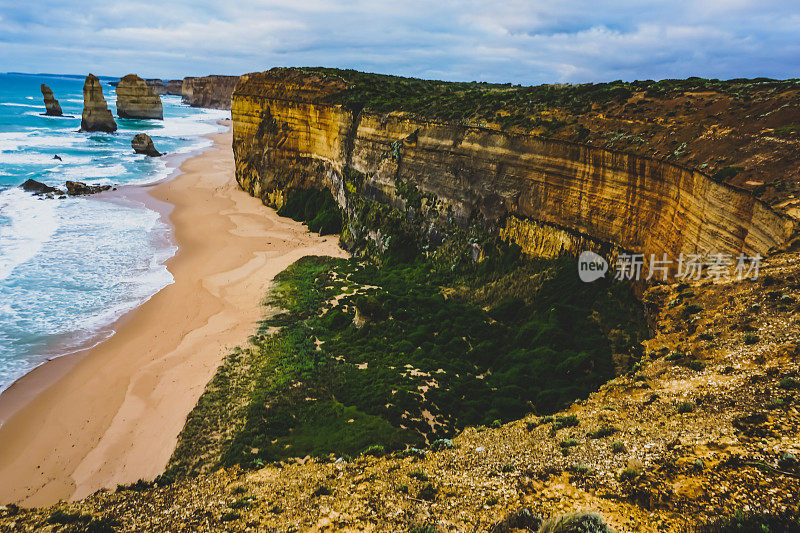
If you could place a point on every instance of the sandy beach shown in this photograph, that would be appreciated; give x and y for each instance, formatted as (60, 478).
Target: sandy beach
(111, 414)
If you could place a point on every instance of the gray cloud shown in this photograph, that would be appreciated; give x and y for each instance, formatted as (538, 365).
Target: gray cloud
(522, 41)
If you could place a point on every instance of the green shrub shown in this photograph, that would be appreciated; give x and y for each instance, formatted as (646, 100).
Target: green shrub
(322, 490)
(789, 383)
(629, 474)
(602, 432)
(230, 516)
(427, 492)
(419, 475)
(755, 522)
(580, 522)
(751, 338)
(376, 450)
(441, 444)
(565, 421)
(686, 407)
(618, 447)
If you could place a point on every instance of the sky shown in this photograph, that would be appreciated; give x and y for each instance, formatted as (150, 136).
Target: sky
(526, 42)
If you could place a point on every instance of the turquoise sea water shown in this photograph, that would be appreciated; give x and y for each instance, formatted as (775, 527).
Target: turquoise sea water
(69, 268)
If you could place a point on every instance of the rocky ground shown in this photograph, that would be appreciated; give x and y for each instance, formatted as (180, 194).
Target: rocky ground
(706, 426)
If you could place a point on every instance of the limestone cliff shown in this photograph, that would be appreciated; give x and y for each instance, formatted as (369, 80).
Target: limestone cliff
(550, 196)
(135, 99)
(156, 85)
(50, 103)
(173, 87)
(96, 116)
(209, 91)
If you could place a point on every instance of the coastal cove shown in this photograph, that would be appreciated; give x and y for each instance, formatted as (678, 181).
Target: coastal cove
(111, 414)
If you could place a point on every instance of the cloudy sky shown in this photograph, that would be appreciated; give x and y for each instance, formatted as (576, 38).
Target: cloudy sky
(522, 41)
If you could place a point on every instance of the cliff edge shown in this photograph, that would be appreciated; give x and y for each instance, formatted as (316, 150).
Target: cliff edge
(309, 128)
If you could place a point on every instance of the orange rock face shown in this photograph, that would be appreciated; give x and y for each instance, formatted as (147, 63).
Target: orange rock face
(136, 99)
(549, 196)
(208, 91)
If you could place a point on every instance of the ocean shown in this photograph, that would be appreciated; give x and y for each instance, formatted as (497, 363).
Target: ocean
(70, 267)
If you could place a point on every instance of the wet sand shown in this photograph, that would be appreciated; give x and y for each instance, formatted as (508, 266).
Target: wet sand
(111, 414)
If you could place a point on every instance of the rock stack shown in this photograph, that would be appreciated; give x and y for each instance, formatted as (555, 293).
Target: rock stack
(135, 99)
(143, 144)
(50, 103)
(96, 116)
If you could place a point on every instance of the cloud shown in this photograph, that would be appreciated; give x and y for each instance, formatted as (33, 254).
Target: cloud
(522, 41)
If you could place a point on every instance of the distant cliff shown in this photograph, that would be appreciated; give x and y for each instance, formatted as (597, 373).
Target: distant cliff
(159, 86)
(550, 196)
(209, 91)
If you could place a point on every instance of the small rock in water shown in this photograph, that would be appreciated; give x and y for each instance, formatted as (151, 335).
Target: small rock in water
(57, 157)
(77, 188)
(143, 144)
(38, 188)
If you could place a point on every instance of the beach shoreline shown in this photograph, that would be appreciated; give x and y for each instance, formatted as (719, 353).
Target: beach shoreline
(111, 414)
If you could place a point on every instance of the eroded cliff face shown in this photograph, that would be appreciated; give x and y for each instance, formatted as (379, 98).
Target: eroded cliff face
(208, 91)
(549, 196)
(136, 99)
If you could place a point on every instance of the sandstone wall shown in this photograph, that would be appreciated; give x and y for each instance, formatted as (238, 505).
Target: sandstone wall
(174, 87)
(136, 99)
(551, 197)
(96, 116)
(208, 91)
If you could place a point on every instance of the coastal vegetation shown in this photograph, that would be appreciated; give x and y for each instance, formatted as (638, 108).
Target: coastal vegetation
(401, 349)
(517, 105)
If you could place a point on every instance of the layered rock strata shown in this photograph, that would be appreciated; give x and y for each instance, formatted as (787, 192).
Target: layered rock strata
(96, 116)
(143, 144)
(174, 87)
(157, 85)
(53, 108)
(209, 91)
(550, 197)
(135, 99)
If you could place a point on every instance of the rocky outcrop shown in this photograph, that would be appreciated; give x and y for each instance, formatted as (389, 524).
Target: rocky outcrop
(174, 87)
(39, 188)
(156, 85)
(50, 103)
(550, 197)
(78, 188)
(209, 91)
(96, 116)
(143, 144)
(135, 99)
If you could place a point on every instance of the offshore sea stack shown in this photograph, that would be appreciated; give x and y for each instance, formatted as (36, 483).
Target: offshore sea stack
(209, 91)
(143, 144)
(135, 99)
(50, 103)
(96, 116)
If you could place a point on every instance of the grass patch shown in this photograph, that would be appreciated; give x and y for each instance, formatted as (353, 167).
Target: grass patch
(372, 357)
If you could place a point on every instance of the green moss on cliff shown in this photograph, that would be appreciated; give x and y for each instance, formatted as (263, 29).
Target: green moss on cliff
(315, 207)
